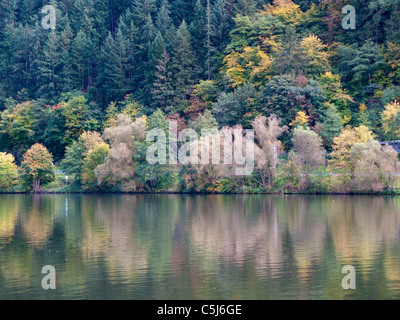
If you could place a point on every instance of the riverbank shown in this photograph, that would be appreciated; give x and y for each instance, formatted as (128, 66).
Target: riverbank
(201, 193)
(316, 183)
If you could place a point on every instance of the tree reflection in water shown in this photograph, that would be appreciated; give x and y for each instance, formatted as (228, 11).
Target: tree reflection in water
(202, 247)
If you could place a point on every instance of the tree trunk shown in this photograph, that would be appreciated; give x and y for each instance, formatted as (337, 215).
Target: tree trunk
(36, 185)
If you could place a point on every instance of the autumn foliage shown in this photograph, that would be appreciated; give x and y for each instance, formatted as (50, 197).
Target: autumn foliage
(37, 166)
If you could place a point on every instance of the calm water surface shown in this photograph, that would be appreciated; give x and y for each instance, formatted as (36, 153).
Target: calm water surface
(199, 247)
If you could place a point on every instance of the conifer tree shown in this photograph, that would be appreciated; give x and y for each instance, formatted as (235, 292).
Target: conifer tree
(66, 41)
(184, 62)
(164, 20)
(49, 68)
(116, 69)
(162, 89)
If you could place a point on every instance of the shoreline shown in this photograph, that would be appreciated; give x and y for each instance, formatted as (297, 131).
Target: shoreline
(203, 193)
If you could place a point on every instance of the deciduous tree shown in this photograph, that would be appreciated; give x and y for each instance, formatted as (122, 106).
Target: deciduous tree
(8, 172)
(342, 144)
(267, 132)
(37, 167)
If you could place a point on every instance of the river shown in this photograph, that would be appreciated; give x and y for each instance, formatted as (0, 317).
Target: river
(199, 246)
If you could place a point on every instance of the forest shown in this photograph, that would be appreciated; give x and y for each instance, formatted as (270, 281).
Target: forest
(78, 99)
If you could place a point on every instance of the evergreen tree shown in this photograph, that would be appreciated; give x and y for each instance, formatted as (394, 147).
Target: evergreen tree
(292, 58)
(79, 13)
(205, 121)
(66, 41)
(184, 61)
(358, 64)
(162, 89)
(131, 33)
(49, 68)
(182, 10)
(197, 29)
(164, 20)
(142, 9)
(83, 55)
(331, 126)
(8, 12)
(221, 24)
(116, 69)
(245, 7)
(101, 20)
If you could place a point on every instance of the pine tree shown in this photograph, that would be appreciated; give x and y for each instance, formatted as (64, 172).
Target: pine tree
(142, 9)
(197, 29)
(148, 34)
(49, 68)
(221, 24)
(19, 49)
(164, 20)
(116, 69)
(28, 8)
(8, 12)
(208, 41)
(292, 59)
(157, 48)
(170, 38)
(101, 20)
(184, 62)
(182, 10)
(66, 41)
(130, 31)
(331, 126)
(82, 54)
(78, 14)
(162, 89)
(245, 7)
(358, 64)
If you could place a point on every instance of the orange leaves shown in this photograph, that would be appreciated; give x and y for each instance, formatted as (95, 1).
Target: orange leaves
(38, 164)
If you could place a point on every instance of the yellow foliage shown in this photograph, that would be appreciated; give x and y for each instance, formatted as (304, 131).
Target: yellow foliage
(6, 157)
(94, 158)
(8, 171)
(131, 109)
(346, 118)
(271, 44)
(316, 52)
(251, 65)
(340, 156)
(301, 120)
(336, 94)
(389, 118)
(285, 10)
(8, 219)
(143, 118)
(234, 69)
(89, 139)
(392, 55)
(362, 108)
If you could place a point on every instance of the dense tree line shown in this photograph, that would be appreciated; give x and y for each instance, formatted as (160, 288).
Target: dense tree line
(89, 90)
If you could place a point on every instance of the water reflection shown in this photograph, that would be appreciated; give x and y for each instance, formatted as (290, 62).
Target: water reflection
(199, 247)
